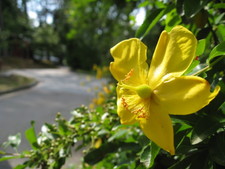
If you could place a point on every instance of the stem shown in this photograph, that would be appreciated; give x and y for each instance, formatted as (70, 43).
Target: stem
(217, 60)
(201, 71)
(205, 69)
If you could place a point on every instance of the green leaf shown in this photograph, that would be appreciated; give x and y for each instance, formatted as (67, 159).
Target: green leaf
(192, 7)
(217, 147)
(152, 19)
(31, 136)
(172, 19)
(96, 155)
(222, 107)
(219, 5)
(4, 158)
(200, 47)
(191, 69)
(204, 128)
(184, 163)
(20, 166)
(145, 156)
(148, 154)
(154, 152)
(217, 51)
(118, 134)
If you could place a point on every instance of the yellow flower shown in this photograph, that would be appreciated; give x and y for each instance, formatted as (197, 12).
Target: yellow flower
(148, 95)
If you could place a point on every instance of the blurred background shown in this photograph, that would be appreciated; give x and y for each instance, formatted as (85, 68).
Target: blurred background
(65, 32)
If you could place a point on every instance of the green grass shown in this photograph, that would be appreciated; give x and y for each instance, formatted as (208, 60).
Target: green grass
(10, 82)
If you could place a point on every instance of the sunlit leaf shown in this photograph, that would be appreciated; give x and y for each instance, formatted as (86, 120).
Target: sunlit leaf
(172, 19)
(192, 68)
(31, 136)
(145, 156)
(200, 47)
(4, 158)
(151, 20)
(219, 50)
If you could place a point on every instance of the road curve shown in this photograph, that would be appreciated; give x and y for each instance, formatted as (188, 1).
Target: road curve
(58, 90)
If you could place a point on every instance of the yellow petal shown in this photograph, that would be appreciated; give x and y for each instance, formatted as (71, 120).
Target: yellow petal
(158, 128)
(127, 55)
(126, 117)
(173, 54)
(184, 95)
(130, 106)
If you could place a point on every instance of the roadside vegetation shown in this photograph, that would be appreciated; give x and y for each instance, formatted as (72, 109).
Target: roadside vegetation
(13, 82)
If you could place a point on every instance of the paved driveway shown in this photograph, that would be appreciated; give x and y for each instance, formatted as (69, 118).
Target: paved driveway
(58, 90)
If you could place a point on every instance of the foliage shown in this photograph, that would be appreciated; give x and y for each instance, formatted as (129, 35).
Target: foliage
(199, 138)
(90, 28)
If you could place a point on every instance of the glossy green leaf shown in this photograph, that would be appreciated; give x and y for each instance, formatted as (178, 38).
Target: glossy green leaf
(192, 68)
(192, 7)
(204, 128)
(153, 153)
(151, 20)
(31, 136)
(148, 154)
(217, 147)
(219, 50)
(180, 7)
(184, 163)
(145, 156)
(200, 47)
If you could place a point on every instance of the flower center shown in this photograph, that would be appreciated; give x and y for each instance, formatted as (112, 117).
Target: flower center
(144, 91)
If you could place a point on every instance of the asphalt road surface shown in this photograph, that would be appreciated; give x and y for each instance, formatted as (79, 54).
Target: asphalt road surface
(58, 90)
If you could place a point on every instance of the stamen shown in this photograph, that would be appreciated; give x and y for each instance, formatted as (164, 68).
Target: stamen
(128, 75)
(124, 103)
(139, 113)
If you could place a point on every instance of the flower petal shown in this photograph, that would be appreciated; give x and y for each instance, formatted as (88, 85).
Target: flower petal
(159, 129)
(173, 54)
(184, 95)
(127, 55)
(126, 117)
(130, 106)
